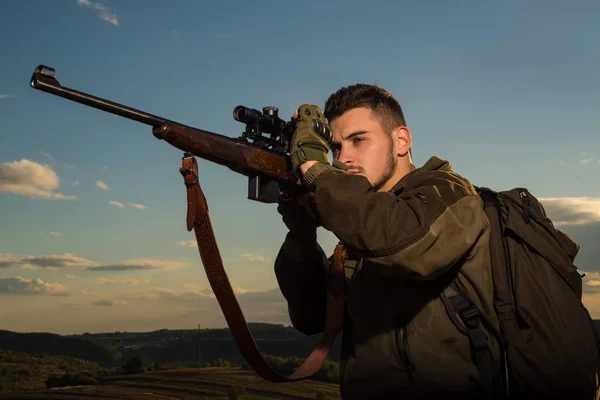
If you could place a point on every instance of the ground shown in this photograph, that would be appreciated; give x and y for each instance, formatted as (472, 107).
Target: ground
(186, 383)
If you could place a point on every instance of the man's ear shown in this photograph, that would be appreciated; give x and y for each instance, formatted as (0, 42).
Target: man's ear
(403, 140)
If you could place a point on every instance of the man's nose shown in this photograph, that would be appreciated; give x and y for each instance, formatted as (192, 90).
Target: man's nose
(344, 155)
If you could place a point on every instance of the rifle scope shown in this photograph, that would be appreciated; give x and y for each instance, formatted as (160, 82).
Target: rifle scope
(267, 121)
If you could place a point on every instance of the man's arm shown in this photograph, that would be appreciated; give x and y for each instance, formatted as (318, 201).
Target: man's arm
(420, 234)
(301, 269)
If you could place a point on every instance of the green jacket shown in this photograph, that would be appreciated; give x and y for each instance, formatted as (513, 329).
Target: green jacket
(405, 244)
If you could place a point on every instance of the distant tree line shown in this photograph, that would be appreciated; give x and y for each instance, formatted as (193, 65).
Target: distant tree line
(329, 372)
(135, 365)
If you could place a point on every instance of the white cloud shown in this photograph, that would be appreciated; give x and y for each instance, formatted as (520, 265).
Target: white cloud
(255, 257)
(51, 261)
(238, 289)
(158, 293)
(191, 288)
(15, 285)
(591, 282)
(46, 154)
(188, 243)
(50, 157)
(139, 265)
(104, 12)
(189, 292)
(115, 203)
(4, 96)
(131, 282)
(199, 303)
(118, 204)
(591, 301)
(30, 179)
(75, 183)
(585, 161)
(72, 261)
(86, 292)
(101, 185)
(108, 303)
(146, 310)
(565, 211)
(50, 233)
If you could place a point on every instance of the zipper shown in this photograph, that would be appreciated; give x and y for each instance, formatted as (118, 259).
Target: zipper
(407, 352)
(527, 205)
(507, 259)
(404, 351)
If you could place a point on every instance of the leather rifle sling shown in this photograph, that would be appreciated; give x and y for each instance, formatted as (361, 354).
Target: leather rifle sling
(199, 220)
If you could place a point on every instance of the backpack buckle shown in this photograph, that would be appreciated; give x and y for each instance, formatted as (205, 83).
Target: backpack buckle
(470, 316)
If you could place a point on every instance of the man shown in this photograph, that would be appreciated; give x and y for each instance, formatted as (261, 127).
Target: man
(409, 231)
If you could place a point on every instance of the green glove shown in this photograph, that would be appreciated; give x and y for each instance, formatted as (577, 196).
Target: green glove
(299, 216)
(312, 137)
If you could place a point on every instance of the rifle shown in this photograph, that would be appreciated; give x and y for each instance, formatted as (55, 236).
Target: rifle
(262, 154)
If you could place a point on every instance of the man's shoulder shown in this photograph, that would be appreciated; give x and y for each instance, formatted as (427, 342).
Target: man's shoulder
(437, 173)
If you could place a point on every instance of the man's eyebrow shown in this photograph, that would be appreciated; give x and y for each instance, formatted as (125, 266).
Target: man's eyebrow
(356, 133)
(350, 136)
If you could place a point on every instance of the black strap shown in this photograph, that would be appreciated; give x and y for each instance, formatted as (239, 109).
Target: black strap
(493, 209)
(459, 305)
(468, 313)
(479, 341)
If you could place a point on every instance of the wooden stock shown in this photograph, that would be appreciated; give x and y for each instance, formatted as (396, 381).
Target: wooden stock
(237, 155)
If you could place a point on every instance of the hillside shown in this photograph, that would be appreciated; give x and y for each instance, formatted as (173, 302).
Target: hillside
(53, 344)
(26, 372)
(175, 347)
(29, 360)
(198, 383)
(106, 362)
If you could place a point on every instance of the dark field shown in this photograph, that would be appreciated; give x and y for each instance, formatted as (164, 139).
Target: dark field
(186, 383)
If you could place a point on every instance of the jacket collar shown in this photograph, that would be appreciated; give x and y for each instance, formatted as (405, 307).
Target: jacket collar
(433, 164)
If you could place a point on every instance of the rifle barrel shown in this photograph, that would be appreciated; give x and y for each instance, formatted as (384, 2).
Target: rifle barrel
(44, 79)
(239, 155)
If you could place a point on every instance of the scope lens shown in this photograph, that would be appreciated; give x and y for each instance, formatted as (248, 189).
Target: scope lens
(246, 115)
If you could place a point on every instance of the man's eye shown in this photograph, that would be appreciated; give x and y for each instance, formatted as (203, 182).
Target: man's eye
(357, 140)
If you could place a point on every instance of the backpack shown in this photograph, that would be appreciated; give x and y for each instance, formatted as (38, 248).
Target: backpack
(550, 346)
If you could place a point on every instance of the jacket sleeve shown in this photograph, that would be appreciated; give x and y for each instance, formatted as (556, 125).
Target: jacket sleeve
(417, 234)
(301, 269)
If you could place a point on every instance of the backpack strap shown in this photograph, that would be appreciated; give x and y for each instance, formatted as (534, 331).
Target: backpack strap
(461, 306)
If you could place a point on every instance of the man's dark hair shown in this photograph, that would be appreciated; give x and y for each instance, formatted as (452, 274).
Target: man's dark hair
(380, 101)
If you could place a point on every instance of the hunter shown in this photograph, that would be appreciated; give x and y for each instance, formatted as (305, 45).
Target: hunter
(408, 232)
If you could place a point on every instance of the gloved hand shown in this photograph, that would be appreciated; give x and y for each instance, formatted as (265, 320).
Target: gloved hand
(312, 137)
(299, 215)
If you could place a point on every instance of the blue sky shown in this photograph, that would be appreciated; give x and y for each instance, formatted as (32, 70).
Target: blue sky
(508, 93)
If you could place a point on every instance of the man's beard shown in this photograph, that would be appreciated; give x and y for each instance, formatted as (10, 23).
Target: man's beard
(391, 167)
